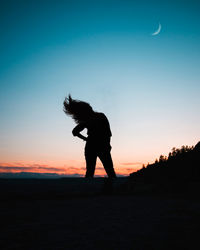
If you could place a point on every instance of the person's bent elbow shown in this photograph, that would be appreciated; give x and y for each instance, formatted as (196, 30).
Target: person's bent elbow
(74, 132)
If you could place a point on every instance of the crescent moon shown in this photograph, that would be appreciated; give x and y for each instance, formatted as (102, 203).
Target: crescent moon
(157, 31)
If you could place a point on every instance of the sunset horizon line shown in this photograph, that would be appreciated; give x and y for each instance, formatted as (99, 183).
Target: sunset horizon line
(25, 167)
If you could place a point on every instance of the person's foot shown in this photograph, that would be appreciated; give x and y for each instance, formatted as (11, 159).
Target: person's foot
(88, 178)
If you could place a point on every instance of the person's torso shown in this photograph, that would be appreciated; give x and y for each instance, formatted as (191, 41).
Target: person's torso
(98, 128)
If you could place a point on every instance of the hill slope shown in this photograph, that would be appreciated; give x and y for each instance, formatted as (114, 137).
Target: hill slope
(181, 164)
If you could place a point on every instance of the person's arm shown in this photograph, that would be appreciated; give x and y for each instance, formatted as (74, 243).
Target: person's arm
(76, 131)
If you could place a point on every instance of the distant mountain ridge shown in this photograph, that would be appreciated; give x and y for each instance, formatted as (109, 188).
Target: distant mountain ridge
(181, 164)
(32, 175)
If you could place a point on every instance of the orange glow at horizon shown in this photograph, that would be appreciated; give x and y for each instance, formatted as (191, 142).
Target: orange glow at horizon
(71, 168)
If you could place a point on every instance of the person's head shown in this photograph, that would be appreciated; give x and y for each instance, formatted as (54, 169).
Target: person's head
(78, 110)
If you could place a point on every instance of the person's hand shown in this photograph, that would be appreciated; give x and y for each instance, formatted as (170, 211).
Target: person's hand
(82, 137)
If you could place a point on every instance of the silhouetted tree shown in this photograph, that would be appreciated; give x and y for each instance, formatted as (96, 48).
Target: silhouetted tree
(183, 163)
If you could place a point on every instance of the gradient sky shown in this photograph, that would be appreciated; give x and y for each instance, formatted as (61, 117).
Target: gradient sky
(101, 52)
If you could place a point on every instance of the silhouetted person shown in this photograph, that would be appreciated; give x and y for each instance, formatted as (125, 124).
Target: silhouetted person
(98, 131)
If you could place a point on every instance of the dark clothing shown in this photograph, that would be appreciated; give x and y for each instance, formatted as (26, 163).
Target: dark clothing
(98, 128)
(91, 154)
(98, 143)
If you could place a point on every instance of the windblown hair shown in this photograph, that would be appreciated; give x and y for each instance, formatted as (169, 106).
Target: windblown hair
(78, 110)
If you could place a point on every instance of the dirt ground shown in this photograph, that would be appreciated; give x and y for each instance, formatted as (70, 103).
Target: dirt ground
(97, 221)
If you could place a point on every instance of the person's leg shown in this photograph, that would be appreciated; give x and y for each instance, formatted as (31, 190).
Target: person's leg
(107, 162)
(90, 157)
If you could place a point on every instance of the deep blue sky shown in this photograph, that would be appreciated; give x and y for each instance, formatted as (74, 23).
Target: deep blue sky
(101, 52)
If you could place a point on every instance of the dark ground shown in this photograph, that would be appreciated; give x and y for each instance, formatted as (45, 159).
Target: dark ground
(75, 214)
